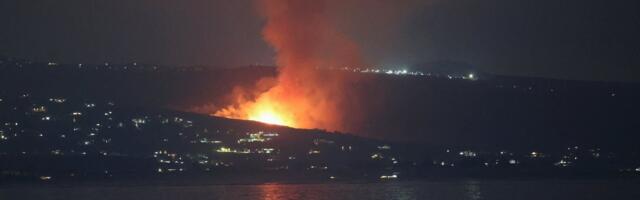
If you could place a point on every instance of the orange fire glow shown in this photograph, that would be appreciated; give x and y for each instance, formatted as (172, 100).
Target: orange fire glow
(269, 107)
(269, 117)
(266, 112)
(301, 96)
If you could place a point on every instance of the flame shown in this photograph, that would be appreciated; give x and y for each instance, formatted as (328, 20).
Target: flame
(265, 112)
(269, 117)
(267, 108)
(301, 96)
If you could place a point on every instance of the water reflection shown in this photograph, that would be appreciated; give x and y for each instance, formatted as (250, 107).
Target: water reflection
(400, 191)
(271, 191)
(473, 190)
(434, 190)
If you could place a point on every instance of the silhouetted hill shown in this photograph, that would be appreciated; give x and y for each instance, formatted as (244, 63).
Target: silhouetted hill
(493, 111)
(64, 138)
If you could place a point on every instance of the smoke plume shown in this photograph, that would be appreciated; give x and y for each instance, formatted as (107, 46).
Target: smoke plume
(306, 38)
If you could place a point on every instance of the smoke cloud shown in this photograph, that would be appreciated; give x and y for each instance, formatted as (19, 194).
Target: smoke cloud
(306, 37)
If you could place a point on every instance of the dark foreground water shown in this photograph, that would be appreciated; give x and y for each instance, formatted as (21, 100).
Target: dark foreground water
(435, 190)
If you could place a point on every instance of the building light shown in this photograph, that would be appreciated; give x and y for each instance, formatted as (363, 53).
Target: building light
(56, 152)
(468, 154)
(267, 150)
(40, 109)
(138, 121)
(563, 163)
(270, 134)
(229, 150)
(534, 154)
(385, 147)
(57, 100)
(389, 176)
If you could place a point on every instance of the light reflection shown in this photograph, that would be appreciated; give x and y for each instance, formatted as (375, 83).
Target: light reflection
(272, 191)
(473, 190)
(400, 191)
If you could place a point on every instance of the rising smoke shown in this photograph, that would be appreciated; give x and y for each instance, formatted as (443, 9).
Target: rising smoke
(306, 38)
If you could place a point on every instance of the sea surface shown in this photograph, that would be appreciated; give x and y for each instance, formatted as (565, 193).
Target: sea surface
(428, 190)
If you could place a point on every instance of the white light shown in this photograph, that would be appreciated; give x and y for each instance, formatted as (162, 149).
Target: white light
(389, 177)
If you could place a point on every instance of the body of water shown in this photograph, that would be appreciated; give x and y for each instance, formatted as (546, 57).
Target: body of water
(436, 190)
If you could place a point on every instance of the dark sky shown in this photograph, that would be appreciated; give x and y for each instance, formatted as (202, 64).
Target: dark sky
(574, 39)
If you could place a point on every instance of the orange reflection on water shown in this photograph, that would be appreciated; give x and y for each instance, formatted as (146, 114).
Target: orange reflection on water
(272, 191)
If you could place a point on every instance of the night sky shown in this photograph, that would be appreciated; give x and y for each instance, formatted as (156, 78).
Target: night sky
(569, 39)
